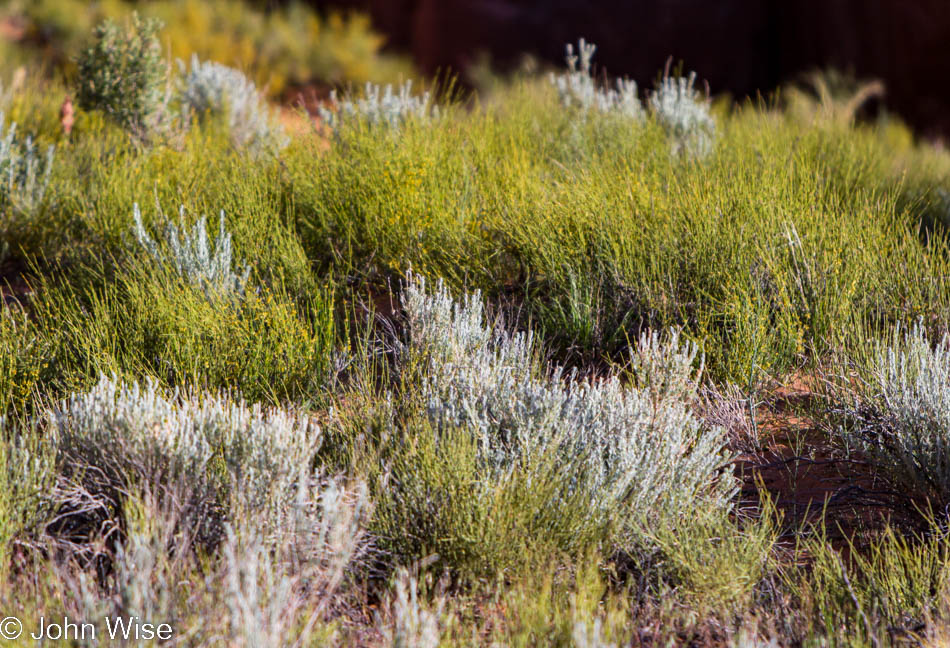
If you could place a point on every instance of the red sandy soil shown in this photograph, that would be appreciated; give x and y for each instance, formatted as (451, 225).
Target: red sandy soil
(808, 478)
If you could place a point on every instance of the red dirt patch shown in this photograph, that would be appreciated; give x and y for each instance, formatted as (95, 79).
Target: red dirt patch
(809, 477)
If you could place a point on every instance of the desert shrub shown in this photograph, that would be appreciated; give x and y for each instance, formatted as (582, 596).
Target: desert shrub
(211, 90)
(24, 172)
(191, 256)
(894, 585)
(684, 114)
(598, 238)
(436, 500)
(122, 74)
(716, 558)
(902, 416)
(577, 87)
(273, 582)
(276, 585)
(23, 359)
(378, 107)
(203, 449)
(508, 462)
(638, 449)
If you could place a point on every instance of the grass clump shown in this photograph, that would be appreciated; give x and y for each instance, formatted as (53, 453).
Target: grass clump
(474, 523)
(23, 361)
(889, 591)
(267, 345)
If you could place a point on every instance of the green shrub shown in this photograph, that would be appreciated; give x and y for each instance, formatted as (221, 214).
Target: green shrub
(438, 500)
(510, 449)
(636, 452)
(122, 73)
(893, 585)
(764, 253)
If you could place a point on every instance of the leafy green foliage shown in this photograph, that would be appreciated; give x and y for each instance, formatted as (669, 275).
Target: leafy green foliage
(122, 74)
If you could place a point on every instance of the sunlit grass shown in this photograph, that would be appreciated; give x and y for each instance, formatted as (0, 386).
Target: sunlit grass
(791, 246)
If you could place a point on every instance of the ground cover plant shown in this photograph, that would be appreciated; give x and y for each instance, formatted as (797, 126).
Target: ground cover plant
(575, 363)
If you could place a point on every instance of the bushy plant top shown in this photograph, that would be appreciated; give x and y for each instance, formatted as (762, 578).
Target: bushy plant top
(210, 90)
(378, 107)
(122, 74)
(577, 88)
(684, 114)
(191, 255)
(637, 448)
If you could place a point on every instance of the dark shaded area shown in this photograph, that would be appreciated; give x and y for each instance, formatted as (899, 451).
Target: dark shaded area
(739, 46)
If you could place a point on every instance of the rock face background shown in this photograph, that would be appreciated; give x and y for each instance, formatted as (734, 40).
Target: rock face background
(739, 46)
